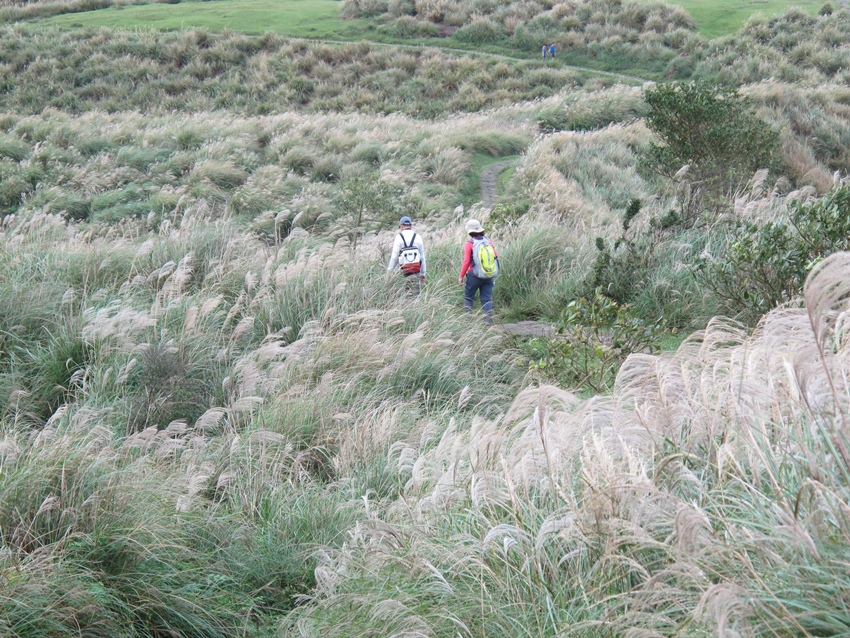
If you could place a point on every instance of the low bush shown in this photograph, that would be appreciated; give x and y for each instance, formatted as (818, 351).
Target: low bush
(594, 337)
(480, 30)
(760, 265)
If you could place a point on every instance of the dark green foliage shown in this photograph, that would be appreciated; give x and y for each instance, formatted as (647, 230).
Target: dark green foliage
(595, 335)
(760, 266)
(641, 268)
(712, 130)
(621, 267)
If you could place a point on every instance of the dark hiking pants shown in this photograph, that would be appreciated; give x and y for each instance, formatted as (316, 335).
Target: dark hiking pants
(484, 288)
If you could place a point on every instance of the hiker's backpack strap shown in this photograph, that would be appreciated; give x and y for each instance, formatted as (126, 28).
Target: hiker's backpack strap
(404, 243)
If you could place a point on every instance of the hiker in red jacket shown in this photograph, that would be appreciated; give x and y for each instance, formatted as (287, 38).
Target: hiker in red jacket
(479, 270)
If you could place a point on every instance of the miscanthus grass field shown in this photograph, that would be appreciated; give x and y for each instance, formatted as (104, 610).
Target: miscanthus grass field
(220, 416)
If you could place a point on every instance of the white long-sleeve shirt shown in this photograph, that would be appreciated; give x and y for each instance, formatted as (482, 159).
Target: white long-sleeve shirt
(398, 244)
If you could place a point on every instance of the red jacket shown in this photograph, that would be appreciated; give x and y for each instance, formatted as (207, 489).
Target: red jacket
(467, 257)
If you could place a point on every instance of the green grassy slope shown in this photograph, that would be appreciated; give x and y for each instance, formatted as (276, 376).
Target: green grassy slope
(298, 18)
(320, 18)
(219, 416)
(722, 17)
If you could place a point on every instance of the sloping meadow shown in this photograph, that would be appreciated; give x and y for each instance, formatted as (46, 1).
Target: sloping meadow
(708, 495)
(185, 418)
(102, 169)
(215, 406)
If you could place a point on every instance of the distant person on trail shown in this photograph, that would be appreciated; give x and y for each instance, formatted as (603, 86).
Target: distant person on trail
(408, 255)
(545, 50)
(552, 50)
(479, 270)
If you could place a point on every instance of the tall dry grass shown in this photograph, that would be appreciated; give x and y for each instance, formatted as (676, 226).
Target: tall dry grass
(709, 491)
(231, 401)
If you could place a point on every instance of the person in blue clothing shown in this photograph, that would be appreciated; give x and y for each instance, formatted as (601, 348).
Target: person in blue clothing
(552, 50)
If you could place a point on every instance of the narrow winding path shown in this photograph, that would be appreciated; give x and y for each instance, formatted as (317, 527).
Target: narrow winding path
(624, 77)
(490, 197)
(489, 183)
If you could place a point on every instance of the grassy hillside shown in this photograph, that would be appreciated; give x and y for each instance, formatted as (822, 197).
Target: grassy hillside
(727, 16)
(296, 18)
(320, 18)
(221, 416)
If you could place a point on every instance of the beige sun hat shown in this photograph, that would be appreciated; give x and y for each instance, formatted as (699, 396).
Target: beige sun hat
(474, 226)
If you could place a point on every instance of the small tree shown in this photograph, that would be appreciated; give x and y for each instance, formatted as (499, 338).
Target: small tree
(366, 200)
(712, 130)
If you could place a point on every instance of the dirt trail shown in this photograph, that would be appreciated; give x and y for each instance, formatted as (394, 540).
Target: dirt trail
(489, 186)
(527, 329)
(457, 51)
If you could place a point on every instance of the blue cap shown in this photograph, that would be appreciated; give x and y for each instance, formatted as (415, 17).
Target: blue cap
(405, 221)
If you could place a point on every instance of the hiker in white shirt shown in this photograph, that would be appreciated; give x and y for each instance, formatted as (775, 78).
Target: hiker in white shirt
(408, 254)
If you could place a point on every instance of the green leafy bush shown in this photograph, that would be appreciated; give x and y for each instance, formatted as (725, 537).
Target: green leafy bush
(713, 131)
(595, 335)
(760, 266)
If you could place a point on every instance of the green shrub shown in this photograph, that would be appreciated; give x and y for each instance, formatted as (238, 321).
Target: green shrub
(595, 335)
(712, 130)
(480, 30)
(761, 265)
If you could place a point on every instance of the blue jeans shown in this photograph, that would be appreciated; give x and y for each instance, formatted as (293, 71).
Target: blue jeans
(484, 287)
